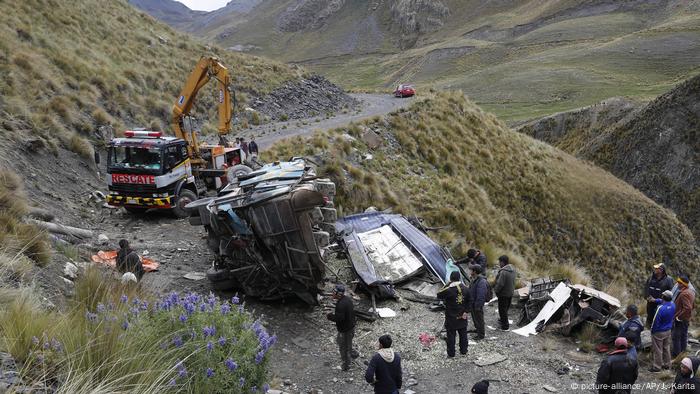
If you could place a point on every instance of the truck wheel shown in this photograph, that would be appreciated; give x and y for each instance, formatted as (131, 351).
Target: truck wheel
(236, 171)
(136, 210)
(185, 197)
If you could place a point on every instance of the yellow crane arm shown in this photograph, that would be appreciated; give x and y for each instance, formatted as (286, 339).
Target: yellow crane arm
(207, 68)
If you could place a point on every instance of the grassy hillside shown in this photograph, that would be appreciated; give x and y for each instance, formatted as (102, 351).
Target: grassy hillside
(68, 67)
(519, 60)
(653, 147)
(447, 161)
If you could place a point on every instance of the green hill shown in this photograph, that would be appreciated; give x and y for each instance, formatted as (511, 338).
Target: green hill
(69, 67)
(447, 161)
(519, 60)
(654, 147)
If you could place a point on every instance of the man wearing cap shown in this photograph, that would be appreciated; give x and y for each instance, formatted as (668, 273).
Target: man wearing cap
(661, 331)
(657, 284)
(504, 288)
(344, 318)
(686, 380)
(617, 372)
(684, 310)
(478, 290)
(456, 298)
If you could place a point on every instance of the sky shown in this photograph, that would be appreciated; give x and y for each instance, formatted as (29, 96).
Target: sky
(204, 5)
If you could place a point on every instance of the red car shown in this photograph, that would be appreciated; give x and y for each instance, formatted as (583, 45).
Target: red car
(404, 91)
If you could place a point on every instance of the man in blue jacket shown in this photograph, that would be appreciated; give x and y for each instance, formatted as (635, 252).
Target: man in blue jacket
(384, 369)
(661, 331)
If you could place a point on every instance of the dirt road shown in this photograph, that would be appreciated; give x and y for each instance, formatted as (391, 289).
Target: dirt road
(370, 105)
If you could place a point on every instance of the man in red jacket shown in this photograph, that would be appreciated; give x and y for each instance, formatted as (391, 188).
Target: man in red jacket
(681, 319)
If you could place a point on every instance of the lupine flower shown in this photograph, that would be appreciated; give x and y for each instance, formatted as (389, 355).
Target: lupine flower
(177, 341)
(56, 345)
(209, 331)
(182, 372)
(202, 307)
(210, 346)
(210, 372)
(230, 364)
(100, 308)
(265, 388)
(92, 317)
(259, 357)
(222, 341)
(241, 381)
(136, 301)
(225, 309)
(189, 307)
(125, 325)
(235, 300)
(183, 318)
(254, 389)
(144, 306)
(172, 382)
(35, 341)
(124, 299)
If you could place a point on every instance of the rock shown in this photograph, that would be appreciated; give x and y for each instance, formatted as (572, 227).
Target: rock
(371, 209)
(102, 239)
(490, 359)
(128, 277)
(411, 382)
(70, 270)
(372, 139)
(549, 388)
(409, 391)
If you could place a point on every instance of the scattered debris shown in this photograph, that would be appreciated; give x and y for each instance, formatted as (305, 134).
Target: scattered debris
(386, 312)
(549, 388)
(109, 258)
(61, 229)
(195, 275)
(102, 239)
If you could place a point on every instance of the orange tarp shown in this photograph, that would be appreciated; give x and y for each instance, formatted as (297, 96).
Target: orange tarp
(109, 258)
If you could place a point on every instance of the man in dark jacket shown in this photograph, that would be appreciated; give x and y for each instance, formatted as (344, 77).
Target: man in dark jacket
(686, 382)
(253, 148)
(617, 373)
(632, 326)
(478, 290)
(344, 318)
(657, 284)
(684, 310)
(504, 288)
(384, 369)
(456, 298)
(474, 256)
(128, 260)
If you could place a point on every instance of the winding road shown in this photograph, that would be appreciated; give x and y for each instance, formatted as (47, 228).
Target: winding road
(370, 105)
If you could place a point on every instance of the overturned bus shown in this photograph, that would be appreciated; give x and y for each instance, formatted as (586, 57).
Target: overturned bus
(267, 230)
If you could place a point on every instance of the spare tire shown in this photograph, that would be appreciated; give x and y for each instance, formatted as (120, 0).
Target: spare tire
(237, 171)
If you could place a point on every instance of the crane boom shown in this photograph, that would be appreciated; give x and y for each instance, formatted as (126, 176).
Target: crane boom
(207, 68)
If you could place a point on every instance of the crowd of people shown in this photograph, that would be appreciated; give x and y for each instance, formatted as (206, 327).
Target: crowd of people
(460, 301)
(669, 311)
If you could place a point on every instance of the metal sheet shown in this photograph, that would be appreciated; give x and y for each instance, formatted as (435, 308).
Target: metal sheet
(392, 259)
(559, 296)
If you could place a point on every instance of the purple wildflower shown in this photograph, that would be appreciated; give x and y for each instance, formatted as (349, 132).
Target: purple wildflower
(235, 300)
(202, 307)
(183, 318)
(144, 306)
(136, 301)
(173, 382)
(209, 331)
(193, 334)
(35, 341)
(125, 325)
(230, 364)
(124, 299)
(265, 388)
(211, 300)
(189, 307)
(210, 372)
(100, 307)
(254, 389)
(222, 341)
(225, 309)
(259, 357)
(92, 317)
(182, 372)
(56, 345)
(210, 346)
(241, 381)
(177, 341)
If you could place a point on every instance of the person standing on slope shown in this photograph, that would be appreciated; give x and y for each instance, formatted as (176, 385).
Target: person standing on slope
(344, 318)
(657, 284)
(504, 288)
(457, 300)
(478, 291)
(684, 311)
(661, 332)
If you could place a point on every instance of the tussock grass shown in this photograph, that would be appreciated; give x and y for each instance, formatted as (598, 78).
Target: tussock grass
(449, 162)
(72, 66)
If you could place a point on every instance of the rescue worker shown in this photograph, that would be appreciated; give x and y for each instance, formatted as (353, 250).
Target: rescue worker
(633, 325)
(661, 331)
(478, 290)
(681, 320)
(344, 318)
(617, 372)
(657, 284)
(686, 380)
(504, 288)
(128, 260)
(457, 300)
(384, 369)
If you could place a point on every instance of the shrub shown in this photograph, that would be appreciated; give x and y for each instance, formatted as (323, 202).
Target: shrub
(80, 146)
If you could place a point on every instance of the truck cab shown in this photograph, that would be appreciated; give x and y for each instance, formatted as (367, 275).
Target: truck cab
(147, 170)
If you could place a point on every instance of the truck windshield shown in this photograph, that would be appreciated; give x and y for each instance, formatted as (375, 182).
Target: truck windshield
(121, 157)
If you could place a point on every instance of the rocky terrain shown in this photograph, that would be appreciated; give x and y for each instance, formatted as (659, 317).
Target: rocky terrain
(654, 147)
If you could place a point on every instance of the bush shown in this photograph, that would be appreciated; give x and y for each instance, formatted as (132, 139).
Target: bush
(80, 146)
